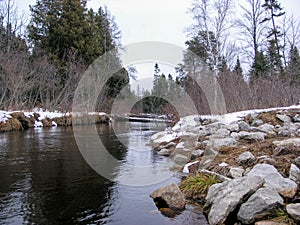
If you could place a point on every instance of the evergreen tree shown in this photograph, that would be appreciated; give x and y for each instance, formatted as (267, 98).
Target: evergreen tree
(260, 67)
(274, 10)
(293, 69)
(237, 68)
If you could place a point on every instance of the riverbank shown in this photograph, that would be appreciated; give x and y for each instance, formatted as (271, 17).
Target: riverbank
(254, 155)
(22, 120)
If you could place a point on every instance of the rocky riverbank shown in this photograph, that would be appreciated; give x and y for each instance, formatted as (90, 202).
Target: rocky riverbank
(255, 156)
(19, 120)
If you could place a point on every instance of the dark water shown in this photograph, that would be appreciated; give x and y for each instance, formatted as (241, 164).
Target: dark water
(44, 179)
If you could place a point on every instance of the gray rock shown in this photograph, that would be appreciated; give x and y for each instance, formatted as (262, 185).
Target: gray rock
(244, 126)
(296, 118)
(295, 173)
(267, 128)
(236, 172)
(257, 123)
(259, 205)
(297, 161)
(181, 159)
(223, 198)
(197, 153)
(294, 211)
(284, 118)
(221, 133)
(171, 195)
(203, 131)
(273, 179)
(287, 130)
(164, 152)
(197, 144)
(251, 136)
(233, 127)
(213, 127)
(208, 158)
(220, 142)
(288, 142)
(246, 158)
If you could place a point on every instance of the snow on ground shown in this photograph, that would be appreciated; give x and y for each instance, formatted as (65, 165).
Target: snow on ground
(186, 124)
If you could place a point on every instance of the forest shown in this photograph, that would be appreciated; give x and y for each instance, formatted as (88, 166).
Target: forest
(253, 55)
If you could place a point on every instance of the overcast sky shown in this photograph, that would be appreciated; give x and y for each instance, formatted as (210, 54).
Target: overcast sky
(155, 20)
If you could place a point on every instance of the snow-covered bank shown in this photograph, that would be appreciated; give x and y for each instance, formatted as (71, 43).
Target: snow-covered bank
(19, 120)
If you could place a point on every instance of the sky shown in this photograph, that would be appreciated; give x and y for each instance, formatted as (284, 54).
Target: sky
(155, 20)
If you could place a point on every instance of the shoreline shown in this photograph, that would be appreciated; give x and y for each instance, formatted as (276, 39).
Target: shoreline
(232, 147)
(23, 120)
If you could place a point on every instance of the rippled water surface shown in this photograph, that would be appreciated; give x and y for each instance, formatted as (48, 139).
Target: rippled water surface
(44, 178)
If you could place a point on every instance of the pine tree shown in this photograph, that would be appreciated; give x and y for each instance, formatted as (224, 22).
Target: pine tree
(293, 69)
(260, 67)
(274, 9)
(237, 68)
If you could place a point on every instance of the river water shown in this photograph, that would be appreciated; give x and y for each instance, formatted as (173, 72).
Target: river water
(44, 178)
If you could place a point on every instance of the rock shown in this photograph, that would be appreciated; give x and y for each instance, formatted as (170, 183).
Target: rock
(217, 143)
(10, 125)
(223, 198)
(285, 147)
(169, 145)
(164, 152)
(266, 222)
(170, 195)
(221, 133)
(295, 173)
(208, 158)
(47, 122)
(287, 130)
(257, 123)
(297, 161)
(251, 136)
(246, 158)
(203, 131)
(236, 172)
(244, 126)
(296, 118)
(197, 153)
(265, 159)
(181, 159)
(63, 121)
(233, 127)
(180, 145)
(267, 128)
(288, 142)
(284, 118)
(26, 122)
(294, 211)
(259, 205)
(273, 179)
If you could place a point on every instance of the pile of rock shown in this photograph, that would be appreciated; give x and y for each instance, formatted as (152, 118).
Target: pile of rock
(258, 153)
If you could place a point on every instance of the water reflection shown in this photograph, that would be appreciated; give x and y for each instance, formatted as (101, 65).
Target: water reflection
(45, 180)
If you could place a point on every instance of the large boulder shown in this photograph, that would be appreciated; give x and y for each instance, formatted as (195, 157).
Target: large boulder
(273, 179)
(25, 121)
(223, 198)
(169, 196)
(294, 211)
(259, 205)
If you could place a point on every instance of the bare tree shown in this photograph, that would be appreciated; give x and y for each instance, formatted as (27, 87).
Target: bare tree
(251, 30)
(213, 16)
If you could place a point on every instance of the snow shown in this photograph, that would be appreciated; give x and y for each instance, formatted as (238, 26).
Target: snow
(186, 166)
(223, 164)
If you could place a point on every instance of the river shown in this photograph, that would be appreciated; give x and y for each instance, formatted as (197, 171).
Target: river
(44, 178)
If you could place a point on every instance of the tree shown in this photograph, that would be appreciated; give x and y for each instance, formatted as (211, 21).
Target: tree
(251, 28)
(274, 10)
(212, 20)
(237, 68)
(293, 68)
(260, 67)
